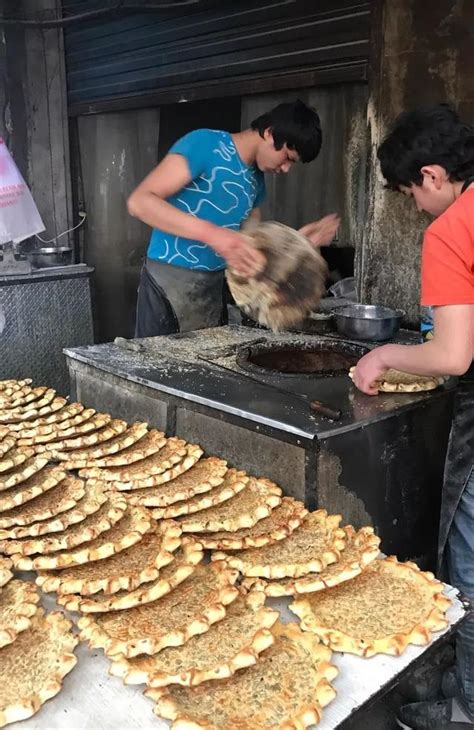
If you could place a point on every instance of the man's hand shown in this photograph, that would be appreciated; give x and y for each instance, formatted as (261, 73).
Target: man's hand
(321, 232)
(239, 254)
(368, 371)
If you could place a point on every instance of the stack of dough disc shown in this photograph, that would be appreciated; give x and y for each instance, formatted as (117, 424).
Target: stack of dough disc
(34, 664)
(397, 381)
(287, 687)
(384, 609)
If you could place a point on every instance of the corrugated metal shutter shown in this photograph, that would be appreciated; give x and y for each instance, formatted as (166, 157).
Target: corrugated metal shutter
(211, 45)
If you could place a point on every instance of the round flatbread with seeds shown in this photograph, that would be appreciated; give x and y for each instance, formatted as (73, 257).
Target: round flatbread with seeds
(64, 413)
(281, 522)
(316, 543)
(384, 609)
(34, 411)
(111, 511)
(63, 493)
(15, 457)
(94, 498)
(135, 523)
(33, 666)
(38, 396)
(245, 509)
(234, 482)
(190, 609)
(20, 474)
(396, 381)
(124, 571)
(201, 478)
(18, 603)
(173, 452)
(229, 645)
(361, 548)
(5, 572)
(185, 561)
(44, 480)
(97, 436)
(6, 445)
(287, 688)
(44, 432)
(132, 445)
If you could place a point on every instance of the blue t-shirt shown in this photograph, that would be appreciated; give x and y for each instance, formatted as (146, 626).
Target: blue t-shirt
(223, 190)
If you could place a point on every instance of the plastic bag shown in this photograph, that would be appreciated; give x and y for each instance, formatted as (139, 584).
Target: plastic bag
(19, 217)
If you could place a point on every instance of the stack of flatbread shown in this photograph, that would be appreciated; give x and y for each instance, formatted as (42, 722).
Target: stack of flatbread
(397, 381)
(35, 651)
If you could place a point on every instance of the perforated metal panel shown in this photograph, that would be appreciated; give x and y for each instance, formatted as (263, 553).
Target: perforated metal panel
(42, 317)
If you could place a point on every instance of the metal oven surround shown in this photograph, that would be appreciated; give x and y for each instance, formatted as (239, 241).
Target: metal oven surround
(381, 463)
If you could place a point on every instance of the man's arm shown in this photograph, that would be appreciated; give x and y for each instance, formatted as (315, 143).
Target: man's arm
(148, 203)
(448, 353)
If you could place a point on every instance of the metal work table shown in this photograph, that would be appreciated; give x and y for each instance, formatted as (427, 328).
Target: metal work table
(93, 700)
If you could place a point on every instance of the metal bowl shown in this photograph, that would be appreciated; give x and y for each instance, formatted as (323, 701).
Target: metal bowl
(368, 322)
(42, 258)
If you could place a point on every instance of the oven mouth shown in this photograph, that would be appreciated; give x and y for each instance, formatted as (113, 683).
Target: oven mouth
(297, 359)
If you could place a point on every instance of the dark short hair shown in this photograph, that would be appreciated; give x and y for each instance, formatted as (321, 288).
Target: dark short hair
(433, 135)
(295, 125)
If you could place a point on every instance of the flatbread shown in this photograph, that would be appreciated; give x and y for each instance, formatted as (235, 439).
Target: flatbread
(189, 609)
(63, 493)
(37, 398)
(362, 548)
(90, 504)
(33, 666)
(229, 645)
(18, 603)
(292, 283)
(318, 542)
(5, 572)
(12, 386)
(381, 611)
(280, 523)
(13, 395)
(397, 381)
(173, 452)
(98, 436)
(6, 445)
(15, 477)
(111, 512)
(135, 523)
(34, 410)
(234, 482)
(186, 559)
(132, 445)
(287, 688)
(124, 571)
(4, 432)
(67, 411)
(60, 431)
(44, 432)
(16, 457)
(201, 478)
(253, 503)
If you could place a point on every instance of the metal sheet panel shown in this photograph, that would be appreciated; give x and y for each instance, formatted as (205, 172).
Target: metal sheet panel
(135, 54)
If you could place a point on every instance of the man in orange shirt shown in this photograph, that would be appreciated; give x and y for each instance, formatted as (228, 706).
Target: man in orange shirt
(429, 156)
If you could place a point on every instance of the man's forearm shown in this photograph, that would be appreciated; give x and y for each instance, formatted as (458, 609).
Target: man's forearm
(430, 358)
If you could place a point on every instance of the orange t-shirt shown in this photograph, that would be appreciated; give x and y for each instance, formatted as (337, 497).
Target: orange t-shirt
(447, 270)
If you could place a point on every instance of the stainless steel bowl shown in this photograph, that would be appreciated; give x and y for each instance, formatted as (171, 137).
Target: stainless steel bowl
(42, 258)
(368, 322)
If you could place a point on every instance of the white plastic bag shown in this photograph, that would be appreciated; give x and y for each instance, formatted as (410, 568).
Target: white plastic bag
(19, 217)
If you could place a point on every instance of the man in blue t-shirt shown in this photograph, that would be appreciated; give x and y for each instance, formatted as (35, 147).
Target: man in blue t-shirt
(197, 200)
